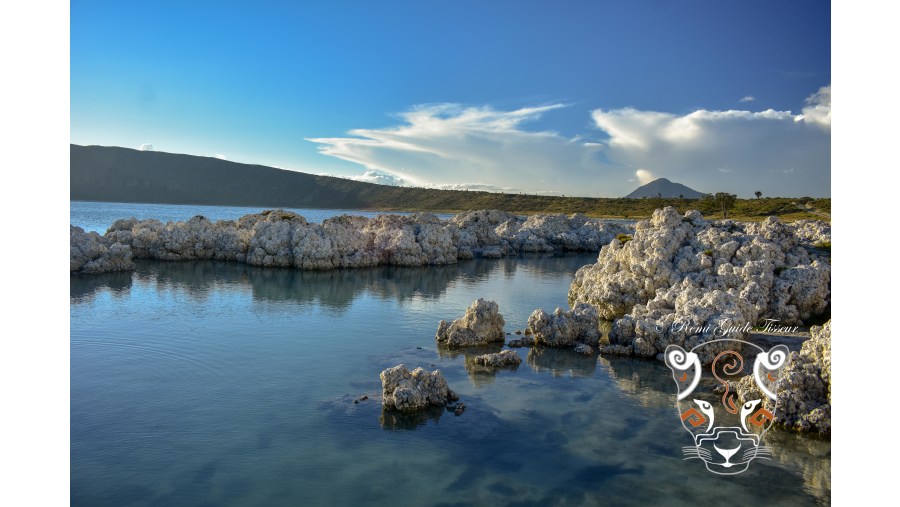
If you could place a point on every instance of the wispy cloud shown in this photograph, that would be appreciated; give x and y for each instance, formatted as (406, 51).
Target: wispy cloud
(220, 156)
(146, 147)
(448, 145)
(747, 98)
(452, 146)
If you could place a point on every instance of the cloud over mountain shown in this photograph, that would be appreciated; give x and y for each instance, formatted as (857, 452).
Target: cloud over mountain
(442, 145)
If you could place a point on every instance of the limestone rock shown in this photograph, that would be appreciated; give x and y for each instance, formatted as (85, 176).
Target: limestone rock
(415, 390)
(277, 238)
(804, 388)
(686, 280)
(565, 329)
(481, 324)
(90, 252)
(500, 359)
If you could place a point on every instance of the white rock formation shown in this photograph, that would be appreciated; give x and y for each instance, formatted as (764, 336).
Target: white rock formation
(92, 253)
(804, 388)
(565, 329)
(685, 280)
(500, 359)
(280, 238)
(480, 325)
(414, 390)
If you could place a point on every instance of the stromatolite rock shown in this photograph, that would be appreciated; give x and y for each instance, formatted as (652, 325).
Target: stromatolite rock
(565, 328)
(500, 359)
(278, 238)
(682, 278)
(414, 390)
(481, 324)
(804, 388)
(90, 252)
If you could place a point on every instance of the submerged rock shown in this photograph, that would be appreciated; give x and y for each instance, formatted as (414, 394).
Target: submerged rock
(500, 359)
(565, 329)
(685, 280)
(415, 390)
(92, 253)
(804, 388)
(482, 324)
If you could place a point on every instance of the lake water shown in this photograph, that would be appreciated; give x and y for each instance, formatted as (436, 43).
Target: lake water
(212, 383)
(98, 216)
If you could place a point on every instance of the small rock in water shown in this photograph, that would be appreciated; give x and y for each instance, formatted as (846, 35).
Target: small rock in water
(584, 350)
(413, 390)
(460, 408)
(518, 331)
(500, 359)
(482, 324)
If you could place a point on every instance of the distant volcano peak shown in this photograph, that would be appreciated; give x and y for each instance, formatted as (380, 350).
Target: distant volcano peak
(666, 188)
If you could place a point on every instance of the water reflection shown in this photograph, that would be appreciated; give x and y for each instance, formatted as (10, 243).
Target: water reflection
(335, 289)
(561, 362)
(649, 382)
(396, 420)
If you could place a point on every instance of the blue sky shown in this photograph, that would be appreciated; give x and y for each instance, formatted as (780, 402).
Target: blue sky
(575, 98)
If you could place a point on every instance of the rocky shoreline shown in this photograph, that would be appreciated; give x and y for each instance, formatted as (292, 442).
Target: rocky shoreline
(672, 279)
(277, 238)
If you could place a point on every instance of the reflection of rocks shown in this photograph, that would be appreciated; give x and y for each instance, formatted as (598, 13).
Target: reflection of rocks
(647, 381)
(681, 278)
(278, 238)
(504, 358)
(399, 420)
(565, 329)
(415, 390)
(85, 287)
(804, 388)
(92, 253)
(481, 324)
(808, 457)
(583, 349)
(560, 362)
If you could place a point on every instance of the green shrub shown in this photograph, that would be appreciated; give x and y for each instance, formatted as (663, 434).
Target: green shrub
(824, 245)
(708, 253)
(623, 238)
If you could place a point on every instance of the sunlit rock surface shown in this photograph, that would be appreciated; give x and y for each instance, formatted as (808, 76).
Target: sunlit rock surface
(277, 238)
(482, 324)
(92, 253)
(685, 280)
(565, 328)
(414, 390)
(804, 389)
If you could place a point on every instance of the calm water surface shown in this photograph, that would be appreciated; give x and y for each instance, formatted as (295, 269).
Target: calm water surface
(209, 383)
(98, 216)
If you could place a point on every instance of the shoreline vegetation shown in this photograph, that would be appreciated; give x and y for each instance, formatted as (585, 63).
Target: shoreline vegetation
(113, 174)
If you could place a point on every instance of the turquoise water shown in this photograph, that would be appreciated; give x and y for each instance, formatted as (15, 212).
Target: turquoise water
(210, 383)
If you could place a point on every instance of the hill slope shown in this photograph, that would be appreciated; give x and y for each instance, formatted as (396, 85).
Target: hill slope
(113, 174)
(668, 189)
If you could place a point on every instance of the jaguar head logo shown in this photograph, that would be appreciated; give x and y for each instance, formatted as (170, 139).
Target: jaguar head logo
(727, 431)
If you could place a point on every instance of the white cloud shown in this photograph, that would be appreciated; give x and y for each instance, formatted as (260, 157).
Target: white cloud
(689, 148)
(220, 156)
(644, 176)
(747, 98)
(447, 145)
(380, 178)
(146, 147)
(818, 108)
